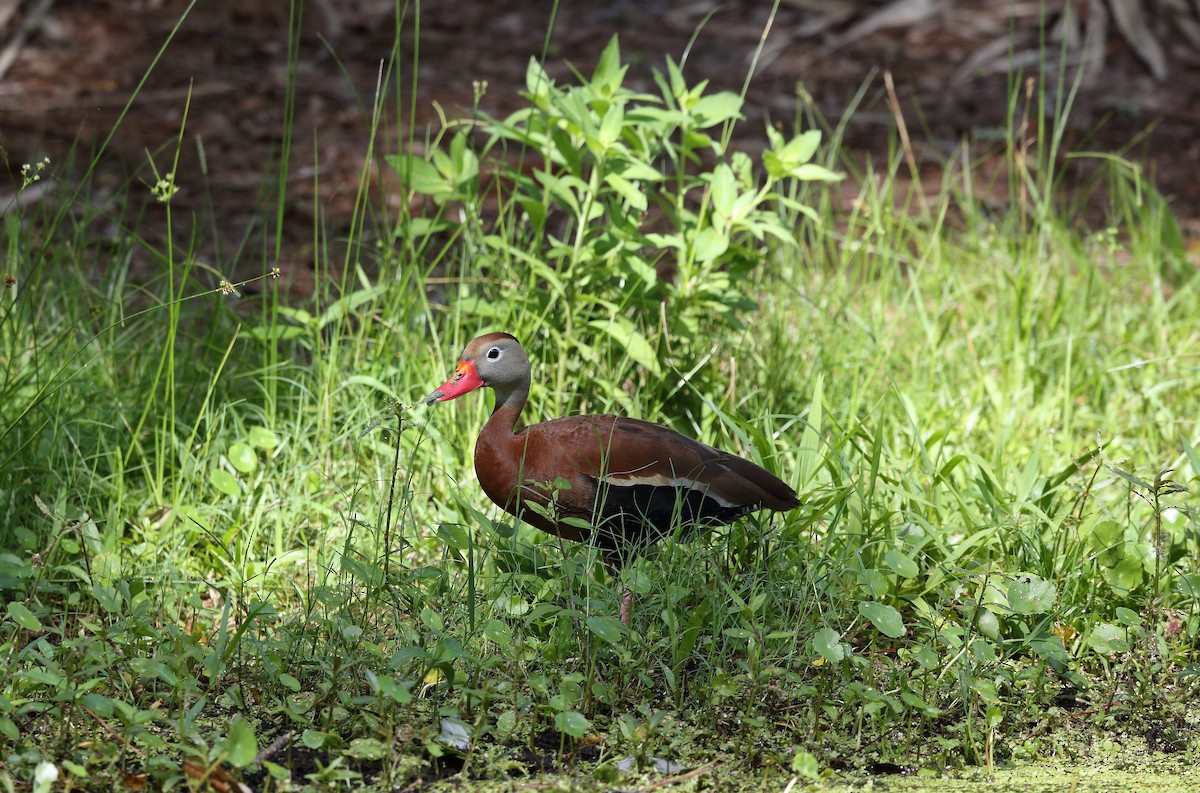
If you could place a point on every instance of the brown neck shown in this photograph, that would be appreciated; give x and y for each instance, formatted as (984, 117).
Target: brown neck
(498, 450)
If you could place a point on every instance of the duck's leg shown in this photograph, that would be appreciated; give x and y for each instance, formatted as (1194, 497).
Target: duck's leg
(626, 605)
(612, 562)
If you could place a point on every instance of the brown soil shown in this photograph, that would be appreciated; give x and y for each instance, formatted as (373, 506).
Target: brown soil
(81, 60)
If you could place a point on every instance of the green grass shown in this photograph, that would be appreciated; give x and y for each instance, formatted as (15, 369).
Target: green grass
(211, 568)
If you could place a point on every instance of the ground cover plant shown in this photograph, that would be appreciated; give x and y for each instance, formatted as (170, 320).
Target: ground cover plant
(234, 553)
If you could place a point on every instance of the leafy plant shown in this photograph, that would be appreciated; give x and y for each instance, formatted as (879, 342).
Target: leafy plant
(626, 224)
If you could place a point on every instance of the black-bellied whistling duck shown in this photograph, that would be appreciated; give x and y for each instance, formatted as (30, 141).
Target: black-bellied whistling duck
(629, 482)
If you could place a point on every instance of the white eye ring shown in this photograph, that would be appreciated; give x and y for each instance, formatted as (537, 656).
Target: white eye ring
(493, 353)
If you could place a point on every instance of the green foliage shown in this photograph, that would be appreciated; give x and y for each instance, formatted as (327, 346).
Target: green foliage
(229, 554)
(626, 223)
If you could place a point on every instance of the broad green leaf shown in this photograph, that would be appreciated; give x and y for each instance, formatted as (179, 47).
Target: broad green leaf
(393, 689)
(497, 632)
(99, 704)
(610, 127)
(241, 745)
(538, 83)
(420, 175)
(630, 339)
(873, 582)
(609, 73)
(805, 765)
(986, 690)
(456, 535)
(901, 564)
(262, 438)
(572, 723)
(628, 191)
(224, 481)
(883, 617)
(1128, 617)
(801, 148)
(989, 623)
(928, 658)
(313, 739)
(724, 190)
(1108, 639)
(367, 749)
(637, 171)
(814, 173)
(21, 615)
(710, 244)
(1104, 535)
(718, 108)
(242, 457)
(610, 629)
(1125, 576)
(1029, 594)
(828, 644)
(463, 163)
(915, 702)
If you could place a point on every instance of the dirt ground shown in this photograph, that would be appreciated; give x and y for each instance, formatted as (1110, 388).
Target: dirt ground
(67, 67)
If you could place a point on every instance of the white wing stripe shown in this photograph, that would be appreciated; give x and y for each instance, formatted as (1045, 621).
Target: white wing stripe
(660, 480)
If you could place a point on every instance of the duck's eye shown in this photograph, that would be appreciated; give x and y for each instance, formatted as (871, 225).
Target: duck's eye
(493, 353)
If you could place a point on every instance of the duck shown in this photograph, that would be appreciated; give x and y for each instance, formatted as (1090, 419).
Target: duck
(618, 483)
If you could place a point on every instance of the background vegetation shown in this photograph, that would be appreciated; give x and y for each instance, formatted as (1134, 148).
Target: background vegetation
(228, 552)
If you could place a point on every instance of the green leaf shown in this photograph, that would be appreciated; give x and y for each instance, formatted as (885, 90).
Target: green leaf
(873, 582)
(715, 109)
(804, 764)
(23, 616)
(628, 191)
(989, 623)
(456, 535)
(1136, 481)
(224, 481)
(398, 692)
(463, 163)
(710, 244)
(572, 723)
(610, 629)
(1029, 594)
(99, 704)
(815, 173)
(241, 745)
(242, 457)
(1104, 535)
(724, 190)
(928, 658)
(420, 175)
(1128, 617)
(609, 72)
(262, 438)
(1108, 639)
(630, 339)
(901, 564)
(986, 690)
(828, 644)
(883, 617)
(801, 148)
(313, 739)
(367, 749)
(1125, 576)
